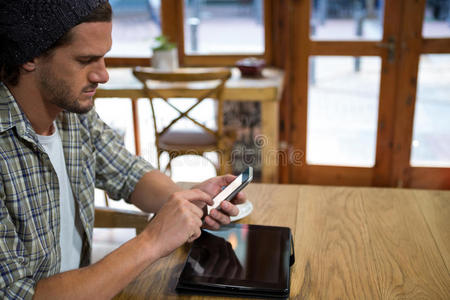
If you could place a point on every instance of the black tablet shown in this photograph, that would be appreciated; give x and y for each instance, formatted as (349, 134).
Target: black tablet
(240, 260)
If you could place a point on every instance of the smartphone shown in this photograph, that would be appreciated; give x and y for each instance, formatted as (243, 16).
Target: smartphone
(231, 190)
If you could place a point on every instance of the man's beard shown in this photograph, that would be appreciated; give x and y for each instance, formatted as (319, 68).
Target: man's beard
(58, 92)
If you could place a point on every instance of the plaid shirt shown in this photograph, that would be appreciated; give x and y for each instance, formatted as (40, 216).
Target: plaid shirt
(29, 192)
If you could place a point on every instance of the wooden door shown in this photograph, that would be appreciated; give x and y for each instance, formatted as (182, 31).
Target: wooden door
(421, 152)
(395, 55)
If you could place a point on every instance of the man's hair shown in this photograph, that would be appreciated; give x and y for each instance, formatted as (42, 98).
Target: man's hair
(10, 70)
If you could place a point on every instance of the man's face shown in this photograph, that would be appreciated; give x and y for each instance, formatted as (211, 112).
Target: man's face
(69, 76)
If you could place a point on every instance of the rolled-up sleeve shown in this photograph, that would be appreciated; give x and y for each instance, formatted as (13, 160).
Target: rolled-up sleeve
(117, 171)
(17, 280)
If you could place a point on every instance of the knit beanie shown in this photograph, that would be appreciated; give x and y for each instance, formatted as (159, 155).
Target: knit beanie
(30, 27)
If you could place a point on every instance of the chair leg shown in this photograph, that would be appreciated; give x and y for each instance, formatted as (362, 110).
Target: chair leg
(169, 167)
(221, 166)
(169, 164)
(225, 166)
(106, 199)
(158, 158)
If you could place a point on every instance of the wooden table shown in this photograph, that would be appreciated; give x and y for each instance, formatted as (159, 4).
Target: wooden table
(350, 243)
(266, 90)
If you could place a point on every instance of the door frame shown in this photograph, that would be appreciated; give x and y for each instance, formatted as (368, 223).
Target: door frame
(403, 21)
(413, 46)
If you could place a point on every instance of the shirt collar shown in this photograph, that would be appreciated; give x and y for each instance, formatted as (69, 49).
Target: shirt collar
(12, 116)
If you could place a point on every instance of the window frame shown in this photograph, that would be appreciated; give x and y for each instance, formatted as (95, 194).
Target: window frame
(172, 17)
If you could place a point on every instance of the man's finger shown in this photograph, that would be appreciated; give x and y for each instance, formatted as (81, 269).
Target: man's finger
(211, 223)
(197, 196)
(239, 198)
(227, 179)
(220, 217)
(229, 209)
(194, 235)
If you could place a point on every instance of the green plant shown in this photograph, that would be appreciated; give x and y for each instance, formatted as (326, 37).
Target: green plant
(162, 43)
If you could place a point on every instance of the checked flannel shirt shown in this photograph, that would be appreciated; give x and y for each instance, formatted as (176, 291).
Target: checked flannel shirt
(29, 194)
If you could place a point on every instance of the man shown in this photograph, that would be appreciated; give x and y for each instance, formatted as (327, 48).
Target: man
(54, 151)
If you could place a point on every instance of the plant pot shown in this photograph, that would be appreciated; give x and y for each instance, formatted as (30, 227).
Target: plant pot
(165, 59)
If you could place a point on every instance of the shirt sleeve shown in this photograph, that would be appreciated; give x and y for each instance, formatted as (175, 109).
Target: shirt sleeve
(16, 281)
(117, 170)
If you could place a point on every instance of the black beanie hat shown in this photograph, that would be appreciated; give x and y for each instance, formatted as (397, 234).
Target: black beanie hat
(30, 27)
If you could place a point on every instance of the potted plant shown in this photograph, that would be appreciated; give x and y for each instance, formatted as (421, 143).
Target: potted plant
(165, 55)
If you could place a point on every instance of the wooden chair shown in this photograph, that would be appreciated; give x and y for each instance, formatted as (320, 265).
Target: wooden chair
(106, 217)
(105, 242)
(197, 83)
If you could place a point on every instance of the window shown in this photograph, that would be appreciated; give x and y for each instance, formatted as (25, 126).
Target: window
(220, 31)
(135, 25)
(211, 27)
(437, 19)
(431, 135)
(346, 20)
(342, 110)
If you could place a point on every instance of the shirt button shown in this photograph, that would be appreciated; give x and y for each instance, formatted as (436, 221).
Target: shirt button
(21, 261)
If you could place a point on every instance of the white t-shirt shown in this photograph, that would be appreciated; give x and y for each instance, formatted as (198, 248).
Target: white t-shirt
(71, 229)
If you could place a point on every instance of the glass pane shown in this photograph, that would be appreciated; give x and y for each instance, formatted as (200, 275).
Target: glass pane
(343, 110)
(135, 24)
(116, 112)
(431, 135)
(347, 19)
(436, 23)
(215, 26)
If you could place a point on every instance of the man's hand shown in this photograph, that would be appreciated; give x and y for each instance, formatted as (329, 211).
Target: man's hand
(212, 187)
(177, 222)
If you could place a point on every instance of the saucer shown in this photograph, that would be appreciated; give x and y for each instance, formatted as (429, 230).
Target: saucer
(244, 210)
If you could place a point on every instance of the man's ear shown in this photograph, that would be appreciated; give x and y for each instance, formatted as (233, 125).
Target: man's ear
(29, 66)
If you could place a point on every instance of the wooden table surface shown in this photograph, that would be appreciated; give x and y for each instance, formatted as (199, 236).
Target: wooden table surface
(350, 243)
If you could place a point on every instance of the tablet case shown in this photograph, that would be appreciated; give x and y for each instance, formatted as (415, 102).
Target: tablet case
(239, 260)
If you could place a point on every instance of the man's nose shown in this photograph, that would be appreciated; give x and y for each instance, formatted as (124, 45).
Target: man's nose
(99, 74)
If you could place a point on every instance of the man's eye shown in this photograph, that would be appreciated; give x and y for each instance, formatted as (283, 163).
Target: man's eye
(85, 61)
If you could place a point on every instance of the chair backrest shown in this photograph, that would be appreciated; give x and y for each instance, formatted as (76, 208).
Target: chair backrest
(198, 83)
